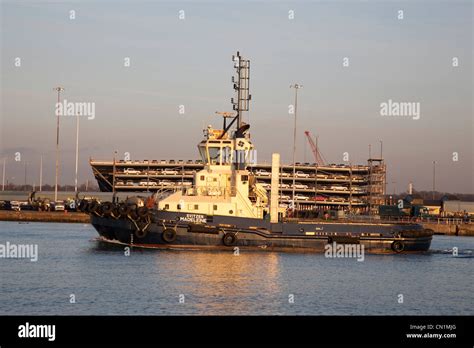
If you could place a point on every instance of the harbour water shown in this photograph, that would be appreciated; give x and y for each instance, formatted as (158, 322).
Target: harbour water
(77, 275)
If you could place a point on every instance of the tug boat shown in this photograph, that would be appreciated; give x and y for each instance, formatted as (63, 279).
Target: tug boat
(226, 208)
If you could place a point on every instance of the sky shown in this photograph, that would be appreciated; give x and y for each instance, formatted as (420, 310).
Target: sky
(187, 62)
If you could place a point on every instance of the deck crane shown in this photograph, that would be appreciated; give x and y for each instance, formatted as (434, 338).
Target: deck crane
(318, 157)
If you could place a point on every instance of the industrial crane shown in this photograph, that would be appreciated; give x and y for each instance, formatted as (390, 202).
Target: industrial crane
(318, 157)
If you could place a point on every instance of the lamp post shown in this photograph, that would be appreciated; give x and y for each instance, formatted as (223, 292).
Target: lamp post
(58, 89)
(434, 178)
(113, 178)
(3, 177)
(296, 87)
(77, 152)
(41, 174)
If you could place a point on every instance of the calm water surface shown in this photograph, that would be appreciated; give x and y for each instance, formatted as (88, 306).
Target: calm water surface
(105, 281)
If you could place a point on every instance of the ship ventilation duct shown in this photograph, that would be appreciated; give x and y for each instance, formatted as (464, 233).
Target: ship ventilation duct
(274, 189)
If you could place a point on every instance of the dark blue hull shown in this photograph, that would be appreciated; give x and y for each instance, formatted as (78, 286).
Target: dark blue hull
(172, 230)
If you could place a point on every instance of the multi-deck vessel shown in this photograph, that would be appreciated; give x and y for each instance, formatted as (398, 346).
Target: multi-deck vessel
(226, 207)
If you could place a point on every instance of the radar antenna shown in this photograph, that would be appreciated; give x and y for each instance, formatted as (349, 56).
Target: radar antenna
(241, 86)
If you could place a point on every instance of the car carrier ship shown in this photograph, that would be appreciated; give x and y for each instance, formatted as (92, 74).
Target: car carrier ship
(225, 207)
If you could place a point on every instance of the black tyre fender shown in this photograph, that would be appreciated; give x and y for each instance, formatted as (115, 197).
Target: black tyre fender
(107, 208)
(141, 233)
(169, 235)
(124, 209)
(142, 212)
(398, 246)
(92, 207)
(83, 205)
(229, 239)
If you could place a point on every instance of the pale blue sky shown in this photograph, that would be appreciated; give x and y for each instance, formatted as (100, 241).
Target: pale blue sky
(188, 62)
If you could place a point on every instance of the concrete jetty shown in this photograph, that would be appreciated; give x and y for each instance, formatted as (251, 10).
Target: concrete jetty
(40, 216)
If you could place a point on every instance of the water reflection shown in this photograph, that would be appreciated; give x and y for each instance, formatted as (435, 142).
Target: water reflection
(219, 282)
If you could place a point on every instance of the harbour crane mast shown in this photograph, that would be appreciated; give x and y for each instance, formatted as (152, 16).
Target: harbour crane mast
(318, 157)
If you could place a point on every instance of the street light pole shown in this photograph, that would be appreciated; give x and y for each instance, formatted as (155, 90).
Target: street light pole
(296, 87)
(26, 173)
(3, 177)
(41, 174)
(58, 89)
(113, 177)
(77, 152)
(434, 178)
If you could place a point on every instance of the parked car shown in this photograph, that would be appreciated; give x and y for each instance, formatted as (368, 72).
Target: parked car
(169, 172)
(15, 205)
(283, 186)
(58, 206)
(322, 176)
(147, 183)
(130, 183)
(301, 198)
(119, 183)
(300, 174)
(300, 186)
(266, 186)
(189, 172)
(165, 183)
(262, 172)
(337, 199)
(163, 161)
(318, 198)
(284, 197)
(341, 177)
(338, 188)
(131, 171)
(285, 174)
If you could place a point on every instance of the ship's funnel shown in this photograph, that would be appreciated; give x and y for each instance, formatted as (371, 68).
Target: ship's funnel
(274, 189)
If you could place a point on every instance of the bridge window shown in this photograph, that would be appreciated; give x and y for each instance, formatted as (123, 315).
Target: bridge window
(214, 155)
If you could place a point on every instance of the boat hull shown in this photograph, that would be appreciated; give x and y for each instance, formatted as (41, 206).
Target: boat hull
(165, 230)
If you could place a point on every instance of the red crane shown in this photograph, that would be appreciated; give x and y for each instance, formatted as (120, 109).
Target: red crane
(318, 157)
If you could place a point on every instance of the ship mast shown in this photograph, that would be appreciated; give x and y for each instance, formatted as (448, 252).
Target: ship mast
(241, 86)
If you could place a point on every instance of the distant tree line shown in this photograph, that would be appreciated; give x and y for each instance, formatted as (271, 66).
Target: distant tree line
(428, 195)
